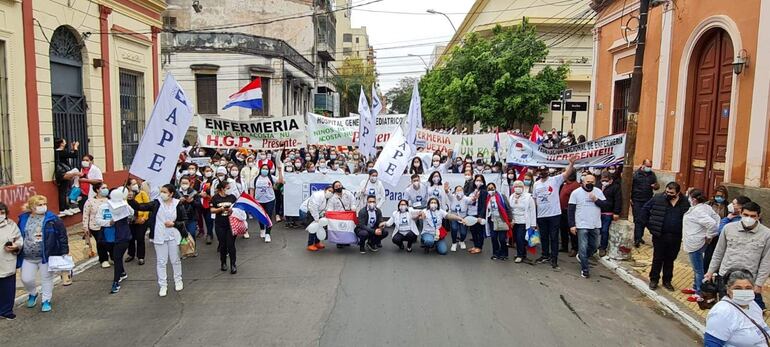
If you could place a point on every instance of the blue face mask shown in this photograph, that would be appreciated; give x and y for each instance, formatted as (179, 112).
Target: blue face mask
(719, 199)
(263, 172)
(527, 182)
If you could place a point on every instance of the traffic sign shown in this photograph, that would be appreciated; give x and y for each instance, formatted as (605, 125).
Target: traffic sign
(566, 94)
(579, 106)
(556, 105)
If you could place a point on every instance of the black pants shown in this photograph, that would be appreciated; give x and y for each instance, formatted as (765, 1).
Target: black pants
(136, 247)
(399, 239)
(638, 226)
(7, 294)
(664, 252)
(103, 249)
(226, 244)
(364, 235)
(118, 250)
(479, 233)
(549, 236)
(567, 239)
(499, 249)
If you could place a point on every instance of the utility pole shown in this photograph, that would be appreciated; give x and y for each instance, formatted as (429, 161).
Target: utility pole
(633, 107)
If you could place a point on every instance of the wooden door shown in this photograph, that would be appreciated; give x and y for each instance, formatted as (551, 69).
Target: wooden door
(710, 111)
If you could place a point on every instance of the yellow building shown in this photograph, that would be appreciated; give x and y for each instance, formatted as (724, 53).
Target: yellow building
(566, 29)
(352, 43)
(85, 71)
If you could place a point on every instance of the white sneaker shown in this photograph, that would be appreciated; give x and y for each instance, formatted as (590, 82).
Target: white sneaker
(462, 245)
(75, 210)
(267, 239)
(67, 212)
(262, 233)
(517, 260)
(105, 264)
(454, 247)
(163, 291)
(246, 236)
(111, 262)
(178, 286)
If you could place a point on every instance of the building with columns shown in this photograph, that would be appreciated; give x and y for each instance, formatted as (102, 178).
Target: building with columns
(705, 94)
(84, 71)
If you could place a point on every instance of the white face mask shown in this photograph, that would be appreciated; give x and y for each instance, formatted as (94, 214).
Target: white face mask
(85, 163)
(402, 208)
(730, 208)
(2, 218)
(371, 205)
(518, 190)
(165, 196)
(433, 207)
(743, 297)
(192, 172)
(234, 173)
(373, 179)
(748, 222)
(41, 209)
(416, 185)
(135, 188)
(185, 186)
(436, 180)
(208, 174)
(328, 195)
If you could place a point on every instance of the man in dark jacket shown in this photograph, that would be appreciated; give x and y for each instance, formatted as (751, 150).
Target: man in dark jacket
(663, 215)
(567, 238)
(370, 234)
(642, 188)
(611, 208)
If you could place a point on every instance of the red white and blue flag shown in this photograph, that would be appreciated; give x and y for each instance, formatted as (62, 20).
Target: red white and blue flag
(342, 227)
(537, 136)
(249, 96)
(252, 207)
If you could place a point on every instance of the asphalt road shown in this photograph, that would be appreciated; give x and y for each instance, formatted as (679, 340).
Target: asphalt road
(284, 295)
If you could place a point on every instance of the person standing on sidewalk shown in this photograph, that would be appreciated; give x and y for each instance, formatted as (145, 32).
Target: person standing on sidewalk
(699, 227)
(546, 194)
(12, 241)
(744, 245)
(91, 211)
(567, 239)
(642, 189)
(733, 215)
(585, 220)
(117, 231)
(663, 216)
(736, 320)
(610, 209)
(136, 247)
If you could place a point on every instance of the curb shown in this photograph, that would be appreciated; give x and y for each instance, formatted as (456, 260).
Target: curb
(693, 324)
(76, 270)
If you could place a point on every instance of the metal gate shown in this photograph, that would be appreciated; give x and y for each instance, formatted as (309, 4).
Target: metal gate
(69, 104)
(69, 120)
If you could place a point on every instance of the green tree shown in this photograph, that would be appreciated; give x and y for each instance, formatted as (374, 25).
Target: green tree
(400, 96)
(491, 80)
(351, 77)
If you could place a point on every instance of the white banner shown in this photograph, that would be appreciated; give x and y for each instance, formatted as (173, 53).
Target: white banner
(158, 152)
(271, 133)
(299, 187)
(602, 152)
(472, 144)
(344, 131)
(394, 158)
(365, 128)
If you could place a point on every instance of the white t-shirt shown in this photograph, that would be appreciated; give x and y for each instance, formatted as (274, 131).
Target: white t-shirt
(546, 196)
(263, 189)
(587, 214)
(728, 324)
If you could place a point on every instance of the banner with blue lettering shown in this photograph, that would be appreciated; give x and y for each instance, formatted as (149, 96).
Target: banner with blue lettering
(158, 152)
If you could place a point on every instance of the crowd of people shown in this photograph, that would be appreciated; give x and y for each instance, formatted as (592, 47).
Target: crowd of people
(571, 209)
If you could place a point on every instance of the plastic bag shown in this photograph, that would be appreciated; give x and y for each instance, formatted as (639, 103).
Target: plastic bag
(59, 263)
(532, 237)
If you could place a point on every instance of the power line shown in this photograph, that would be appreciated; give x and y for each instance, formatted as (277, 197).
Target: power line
(557, 3)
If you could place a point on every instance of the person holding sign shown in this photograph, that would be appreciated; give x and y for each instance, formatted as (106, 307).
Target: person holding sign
(113, 218)
(371, 187)
(264, 193)
(546, 194)
(406, 228)
(434, 218)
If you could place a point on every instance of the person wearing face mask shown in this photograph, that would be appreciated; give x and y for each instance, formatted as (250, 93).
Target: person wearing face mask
(313, 209)
(222, 176)
(91, 210)
(498, 224)
(113, 218)
(222, 207)
(699, 227)
(585, 220)
(369, 232)
(737, 320)
(190, 202)
(249, 172)
(10, 237)
(405, 227)
(642, 188)
(477, 208)
(240, 185)
(90, 175)
(437, 165)
(663, 216)
(371, 187)
(44, 235)
(524, 216)
(438, 189)
(744, 245)
(546, 193)
(335, 169)
(458, 204)
(720, 201)
(136, 246)
(415, 168)
(733, 215)
(322, 166)
(205, 192)
(568, 242)
(433, 218)
(265, 194)
(529, 179)
(264, 159)
(611, 209)
(167, 230)
(417, 195)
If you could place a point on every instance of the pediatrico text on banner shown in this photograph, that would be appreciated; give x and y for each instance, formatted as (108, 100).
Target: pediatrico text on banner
(602, 152)
(343, 131)
(460, 144)
(272, 133)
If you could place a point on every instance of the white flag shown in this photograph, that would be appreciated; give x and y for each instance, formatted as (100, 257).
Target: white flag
(394, 158)
(376, 103)
(366, 133)
(414, 117)
(158, 152)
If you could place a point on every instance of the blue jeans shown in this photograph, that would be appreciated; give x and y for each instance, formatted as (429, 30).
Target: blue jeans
(549, 236)
(520, 233)
(192, 227)
(429, 240)
(696, 260)
(588, 242)
(606, 221)
(209, 224)
(459, 231)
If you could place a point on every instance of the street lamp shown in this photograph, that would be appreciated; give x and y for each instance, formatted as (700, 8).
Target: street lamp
(423, 60)
(432, 11)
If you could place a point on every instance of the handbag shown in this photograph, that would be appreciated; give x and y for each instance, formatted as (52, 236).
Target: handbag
(441, 232)
(767, 337)
(59, 263)
(187, 246)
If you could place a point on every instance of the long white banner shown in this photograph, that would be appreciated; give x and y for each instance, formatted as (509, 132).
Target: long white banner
(602, 152)
(344, 131)
(299, 187)
(273, 133)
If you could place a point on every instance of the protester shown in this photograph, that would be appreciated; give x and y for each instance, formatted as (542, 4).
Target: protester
(719, 201)
(744, 245)
(642, 188)
(369, 232)
(249, 172)
(663, 216)
(341, 200)
(91, 211)
(406, 228)
(416, 194)
(611, 208)
(190, 202)
(734, 210)
(585, 220)
(136, 246)
(545, 191)
(737, 320)
(498, 223)
(524, 215)
(459, 206)
(434, 216)
(436, 189)
(90, 176)
(371, 187)
(12, 241)
(416, 167)
(167, 229)
(316, 209)
(113, 218)
(208, 181)
(567, 238)
(222, 207)
(44, 236)
(263, 191)
(64, 173)
(478, 209)
(699, 227)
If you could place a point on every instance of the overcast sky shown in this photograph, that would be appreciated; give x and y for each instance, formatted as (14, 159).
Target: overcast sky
(390, 32)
